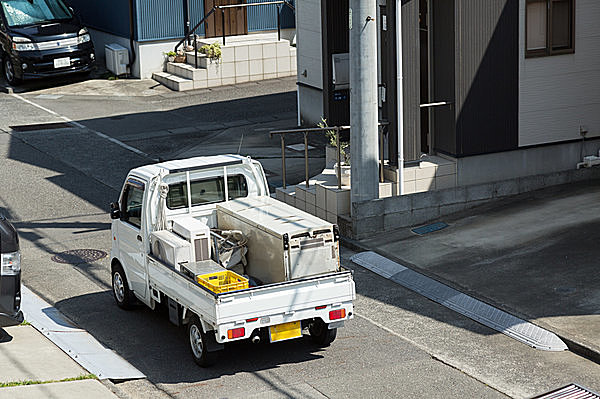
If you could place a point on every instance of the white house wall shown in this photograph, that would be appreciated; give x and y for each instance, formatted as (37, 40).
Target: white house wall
(559, 93)
(308, 31)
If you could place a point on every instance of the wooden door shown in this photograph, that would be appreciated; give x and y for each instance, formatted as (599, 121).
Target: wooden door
(236, 19)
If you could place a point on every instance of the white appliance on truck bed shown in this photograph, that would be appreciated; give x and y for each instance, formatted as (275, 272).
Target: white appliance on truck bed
(284, 243)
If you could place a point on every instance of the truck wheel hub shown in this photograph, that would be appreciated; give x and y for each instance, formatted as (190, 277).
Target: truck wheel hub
(196, 340)
(119, 287)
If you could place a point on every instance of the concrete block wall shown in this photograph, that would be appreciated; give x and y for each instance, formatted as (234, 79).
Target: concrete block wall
(386, 214)
(243, 59)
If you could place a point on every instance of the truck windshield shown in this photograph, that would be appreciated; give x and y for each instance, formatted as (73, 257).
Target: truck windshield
(206, 191)
(30, 12)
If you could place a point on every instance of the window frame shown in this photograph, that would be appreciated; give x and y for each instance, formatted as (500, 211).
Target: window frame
(548, 51)
(125, 216)
(217, 179)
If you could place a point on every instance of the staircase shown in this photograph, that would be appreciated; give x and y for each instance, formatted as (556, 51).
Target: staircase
(243, 59)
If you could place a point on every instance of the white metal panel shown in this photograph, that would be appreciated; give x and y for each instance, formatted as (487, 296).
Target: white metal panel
(308, 31)
(281, 298)
(272, 216)
(559, 93)
(182, 290)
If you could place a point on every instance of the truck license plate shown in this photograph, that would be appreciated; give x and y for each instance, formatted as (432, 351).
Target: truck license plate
(62, 62)
(284, 331)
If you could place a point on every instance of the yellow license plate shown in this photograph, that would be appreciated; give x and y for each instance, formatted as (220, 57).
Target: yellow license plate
(284, 331)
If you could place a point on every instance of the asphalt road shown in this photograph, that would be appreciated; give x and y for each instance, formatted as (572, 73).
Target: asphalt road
(56, 185)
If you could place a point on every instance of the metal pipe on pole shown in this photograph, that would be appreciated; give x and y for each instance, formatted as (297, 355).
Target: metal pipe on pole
(363, 101)
(400, 95)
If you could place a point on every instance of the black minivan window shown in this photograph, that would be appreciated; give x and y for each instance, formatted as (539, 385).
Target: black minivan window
(29, 12)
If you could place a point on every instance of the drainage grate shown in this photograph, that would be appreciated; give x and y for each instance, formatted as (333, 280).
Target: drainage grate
(430, 228)
(41, 126)
(79, 256)
(572, 391)
(479, 311)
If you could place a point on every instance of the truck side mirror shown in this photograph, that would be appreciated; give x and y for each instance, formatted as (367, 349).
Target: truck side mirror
(115, 212)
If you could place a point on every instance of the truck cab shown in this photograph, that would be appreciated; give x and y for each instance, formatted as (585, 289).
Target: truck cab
(10, 275)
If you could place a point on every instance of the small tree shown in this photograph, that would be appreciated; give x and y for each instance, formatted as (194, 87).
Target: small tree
(344, 145)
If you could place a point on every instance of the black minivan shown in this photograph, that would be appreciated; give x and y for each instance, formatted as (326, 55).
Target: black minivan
(42, 38)
(10, 275)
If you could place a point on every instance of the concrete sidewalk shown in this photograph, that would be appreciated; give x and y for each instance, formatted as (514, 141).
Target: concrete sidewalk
(27, 357)
(535, 256)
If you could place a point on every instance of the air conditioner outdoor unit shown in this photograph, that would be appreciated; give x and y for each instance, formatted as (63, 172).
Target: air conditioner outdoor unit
(197, 233)
(169, 248)
(117, 58)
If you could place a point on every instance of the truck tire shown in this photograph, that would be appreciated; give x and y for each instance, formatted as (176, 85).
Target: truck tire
(121, 292)
(321, 335)
(198, 344)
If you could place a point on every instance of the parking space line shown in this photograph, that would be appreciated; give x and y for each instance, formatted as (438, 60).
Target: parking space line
(81, 126)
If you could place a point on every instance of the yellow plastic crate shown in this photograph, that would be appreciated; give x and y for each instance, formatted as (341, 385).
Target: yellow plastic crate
(224, 281)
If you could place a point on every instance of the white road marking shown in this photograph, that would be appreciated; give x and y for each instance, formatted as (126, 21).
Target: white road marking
(79, 125)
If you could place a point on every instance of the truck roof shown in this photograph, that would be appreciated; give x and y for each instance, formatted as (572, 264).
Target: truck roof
(9, 240)
(181, 165)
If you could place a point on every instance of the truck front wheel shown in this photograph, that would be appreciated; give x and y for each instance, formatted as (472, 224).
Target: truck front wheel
(321, 334)
(121, 292)
(198, 343)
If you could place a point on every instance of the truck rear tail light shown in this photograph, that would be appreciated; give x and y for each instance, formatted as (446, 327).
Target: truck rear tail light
(251, 320)
(320, 307)
(337, 314)
(236, 333)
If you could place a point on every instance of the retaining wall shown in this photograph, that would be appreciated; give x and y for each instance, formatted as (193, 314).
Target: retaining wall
(377, 216)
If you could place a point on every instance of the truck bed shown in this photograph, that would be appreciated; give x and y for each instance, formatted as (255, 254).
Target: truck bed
(270, 304)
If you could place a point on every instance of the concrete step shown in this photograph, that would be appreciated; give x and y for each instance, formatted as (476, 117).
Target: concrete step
(173, 82)
(186, 71)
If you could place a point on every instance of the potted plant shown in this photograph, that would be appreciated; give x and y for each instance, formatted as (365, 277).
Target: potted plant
(212, 51)
(331, 153)
(180, 56)
(171, 56)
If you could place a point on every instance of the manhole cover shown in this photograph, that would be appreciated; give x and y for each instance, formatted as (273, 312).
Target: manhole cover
(430, 228)
(78, 256)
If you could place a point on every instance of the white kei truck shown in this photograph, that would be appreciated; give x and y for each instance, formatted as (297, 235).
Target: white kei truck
(203, 237)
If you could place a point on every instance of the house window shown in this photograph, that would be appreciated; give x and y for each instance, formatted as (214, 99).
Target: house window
(550, 27)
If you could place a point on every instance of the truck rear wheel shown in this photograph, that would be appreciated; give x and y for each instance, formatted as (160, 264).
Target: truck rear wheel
(198, 343)
(321, 335)
(121, 292)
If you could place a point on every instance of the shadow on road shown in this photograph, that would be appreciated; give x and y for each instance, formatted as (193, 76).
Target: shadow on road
(147, 340)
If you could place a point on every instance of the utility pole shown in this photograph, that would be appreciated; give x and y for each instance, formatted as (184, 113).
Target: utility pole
(364, 146)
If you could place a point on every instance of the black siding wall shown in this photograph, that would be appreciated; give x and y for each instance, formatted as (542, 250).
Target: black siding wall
(336, 40)
(411, 80)
(411, 61)
(487, 76)
(442, 63)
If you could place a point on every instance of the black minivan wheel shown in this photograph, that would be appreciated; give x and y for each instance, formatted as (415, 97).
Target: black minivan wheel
(9, 71)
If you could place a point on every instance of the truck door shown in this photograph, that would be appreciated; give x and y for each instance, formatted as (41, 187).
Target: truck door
(131, 235)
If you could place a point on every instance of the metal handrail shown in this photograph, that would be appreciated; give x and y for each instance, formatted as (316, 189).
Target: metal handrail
(305, 131)
(222, 8)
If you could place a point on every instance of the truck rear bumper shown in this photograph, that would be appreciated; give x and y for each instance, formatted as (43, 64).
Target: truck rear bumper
(250, 326)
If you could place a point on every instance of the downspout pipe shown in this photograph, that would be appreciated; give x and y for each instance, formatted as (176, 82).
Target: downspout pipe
(400, 95)
(131, 36)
